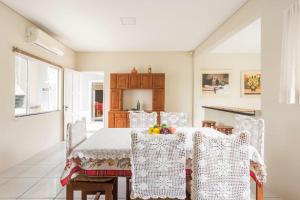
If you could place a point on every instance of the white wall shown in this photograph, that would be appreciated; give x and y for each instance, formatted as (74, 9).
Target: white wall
(282, 121)
(23, 137)
(235, 63)
(176, 65)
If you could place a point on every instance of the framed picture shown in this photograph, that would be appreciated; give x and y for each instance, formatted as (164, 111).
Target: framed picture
(215, 82)
(251, 83)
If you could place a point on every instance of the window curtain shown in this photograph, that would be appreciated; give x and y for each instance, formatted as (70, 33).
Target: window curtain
(290, 66)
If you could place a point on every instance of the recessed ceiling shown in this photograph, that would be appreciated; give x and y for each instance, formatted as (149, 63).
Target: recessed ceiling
(159, 25)
(247, 40)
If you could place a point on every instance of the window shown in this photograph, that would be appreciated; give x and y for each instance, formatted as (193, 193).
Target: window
(36, 86)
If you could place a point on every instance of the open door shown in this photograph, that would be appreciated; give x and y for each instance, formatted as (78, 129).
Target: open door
(71, 97)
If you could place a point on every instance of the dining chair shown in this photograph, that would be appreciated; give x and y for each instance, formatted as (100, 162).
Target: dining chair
(76, 134)
(88, 185)
(175, 119)
(256, 128)
(158, 166)
(142, 119)
(221, 166)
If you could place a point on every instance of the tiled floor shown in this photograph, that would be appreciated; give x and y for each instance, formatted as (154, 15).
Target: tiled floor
(38, 178)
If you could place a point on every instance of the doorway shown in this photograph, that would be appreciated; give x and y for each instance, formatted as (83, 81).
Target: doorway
(92, 99)
(97, 101)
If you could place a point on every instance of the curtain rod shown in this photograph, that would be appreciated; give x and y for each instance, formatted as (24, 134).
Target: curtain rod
(16, 49)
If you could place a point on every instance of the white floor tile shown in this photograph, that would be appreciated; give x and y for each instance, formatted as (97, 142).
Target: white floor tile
(54, 159)
(13, 172)
(56, 172)
(45, 188)
(37, 171)
(62, 194)
(3, 180)
(16, 187)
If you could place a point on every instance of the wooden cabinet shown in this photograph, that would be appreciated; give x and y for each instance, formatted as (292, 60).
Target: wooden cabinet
(111, 120)
(158, 81)
(122, 81)
(113, 80)
(121, 120)
(116, 99)
(117, 118)
(146, 81)
(134, 81)
(158, 100)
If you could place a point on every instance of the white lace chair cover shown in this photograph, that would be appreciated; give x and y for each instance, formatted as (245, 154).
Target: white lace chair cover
(142, 119)
(76, 133)
(221, 167)
(255, 127)
(158, 166)
(135, 119)
(175, 119)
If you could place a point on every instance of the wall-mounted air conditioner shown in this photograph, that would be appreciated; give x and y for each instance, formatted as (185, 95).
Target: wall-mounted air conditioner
(38, 37)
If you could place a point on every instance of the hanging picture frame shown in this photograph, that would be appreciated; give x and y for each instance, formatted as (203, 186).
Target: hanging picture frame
(215, 82)
(251, 83)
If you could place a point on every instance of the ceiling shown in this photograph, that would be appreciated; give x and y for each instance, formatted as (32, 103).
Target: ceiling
(247, 40)
(150, 25)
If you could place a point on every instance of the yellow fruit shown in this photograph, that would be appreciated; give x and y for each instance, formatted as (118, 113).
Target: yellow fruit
(150, 130)
(156, 130)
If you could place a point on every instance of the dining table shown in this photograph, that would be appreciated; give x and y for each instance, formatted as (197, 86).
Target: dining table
(108, 151)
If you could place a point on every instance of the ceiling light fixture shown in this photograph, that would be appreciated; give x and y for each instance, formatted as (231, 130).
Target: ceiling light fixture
(128, 21)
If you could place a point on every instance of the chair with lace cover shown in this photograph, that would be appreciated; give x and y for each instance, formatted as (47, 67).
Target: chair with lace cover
(221, 167)
(135, 119)
(158, 166)
(255, 127)
(175, 119)
(76, 134)
(142, 119)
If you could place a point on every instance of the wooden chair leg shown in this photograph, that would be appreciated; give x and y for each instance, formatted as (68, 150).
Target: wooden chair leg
(259, 191)
(70, 192)
(84, 195)
(127, 188)
(108, 193)
(115, 189)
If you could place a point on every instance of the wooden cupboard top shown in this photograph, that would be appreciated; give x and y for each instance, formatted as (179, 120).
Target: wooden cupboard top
(137, 81)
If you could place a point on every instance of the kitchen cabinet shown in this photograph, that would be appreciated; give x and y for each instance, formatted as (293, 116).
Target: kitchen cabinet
(146, 81)
(122, 81)
(158, 100)
(116, 99)
(113, 81)
(158, 81)
(134, 81)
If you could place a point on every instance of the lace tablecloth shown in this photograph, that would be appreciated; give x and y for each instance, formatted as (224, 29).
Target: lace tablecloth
(107, 153)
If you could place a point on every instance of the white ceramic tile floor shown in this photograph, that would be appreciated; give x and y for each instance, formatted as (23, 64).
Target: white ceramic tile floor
(38, 178)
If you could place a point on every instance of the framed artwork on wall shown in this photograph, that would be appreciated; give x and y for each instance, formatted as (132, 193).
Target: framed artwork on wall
(215, 82)
(251, 83)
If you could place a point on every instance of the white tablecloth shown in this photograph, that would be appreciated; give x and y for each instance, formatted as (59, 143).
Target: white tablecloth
(115, 143)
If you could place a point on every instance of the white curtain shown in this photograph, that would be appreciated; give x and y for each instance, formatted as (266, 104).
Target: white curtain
(290, 67)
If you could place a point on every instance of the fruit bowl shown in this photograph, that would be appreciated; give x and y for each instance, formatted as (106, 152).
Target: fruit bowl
(163, 129)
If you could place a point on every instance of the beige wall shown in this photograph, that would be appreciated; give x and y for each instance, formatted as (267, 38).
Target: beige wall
(282, 121)
(23, 137)
(235, 63)
(176, 65)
